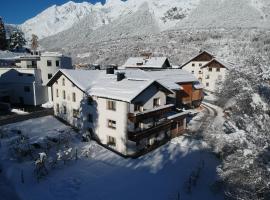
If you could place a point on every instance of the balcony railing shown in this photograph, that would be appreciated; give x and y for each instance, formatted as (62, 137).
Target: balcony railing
(164, 125)
(155, 112)
(136, 136)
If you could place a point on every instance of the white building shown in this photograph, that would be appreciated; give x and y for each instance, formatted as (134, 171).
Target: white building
(207, 69)
(124, 112)
(25, 80)
(22, 86)
(147, 63)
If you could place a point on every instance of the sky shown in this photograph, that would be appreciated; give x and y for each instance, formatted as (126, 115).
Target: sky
(18, 11)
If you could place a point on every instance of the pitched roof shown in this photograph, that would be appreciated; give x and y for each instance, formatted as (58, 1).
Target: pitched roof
(171, 77)
(143, 62)
(225, 65)
(210, 55)
(98, 83)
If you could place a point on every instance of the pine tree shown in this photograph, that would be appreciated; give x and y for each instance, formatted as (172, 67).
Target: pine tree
(17, 40)
(3, 40)
(34, 42)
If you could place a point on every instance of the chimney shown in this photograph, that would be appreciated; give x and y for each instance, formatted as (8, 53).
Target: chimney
(120, 76)
(109, 70)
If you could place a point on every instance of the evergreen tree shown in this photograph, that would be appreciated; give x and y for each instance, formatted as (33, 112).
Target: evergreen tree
(34, 42)
(17, 40)
(3, 40)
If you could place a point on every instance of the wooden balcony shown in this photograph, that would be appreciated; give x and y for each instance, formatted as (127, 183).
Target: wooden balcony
(136, 136)
(168, 124)
(156, 112)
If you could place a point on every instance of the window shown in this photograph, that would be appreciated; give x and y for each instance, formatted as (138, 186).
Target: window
(111, 141)
(65, 109)
(200, 64)
(218, 69)
(20, 74)
(56, 82)
(57, 63)
(156, 102)
(90, 118)
(192, 72)
(112, 124)
(76, 113)
(111, 105)
(207, 76)
(138, 107)
(193, 64)
(49, 76)
(207, 84)
(74, 97)
(210, 69)
(26, 88)
(64, 94)
(57, 108)
(57, 93)
(63, 82)
(49, 63)
(200, 72)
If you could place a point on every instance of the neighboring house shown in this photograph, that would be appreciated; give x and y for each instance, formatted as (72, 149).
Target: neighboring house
(127, 113)
(207, 69)
(147, 63)
(22, 86)
(26, 77)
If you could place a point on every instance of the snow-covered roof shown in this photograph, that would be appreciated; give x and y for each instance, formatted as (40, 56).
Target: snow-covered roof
(51, 54)
(171, 77)
(98, 83)
(195, 57)
(143, 62)
(226, 65)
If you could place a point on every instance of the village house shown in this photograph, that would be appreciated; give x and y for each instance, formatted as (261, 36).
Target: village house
(147, 63)
(188, 92)
(207, 69)
(24, 80)
(126, 112)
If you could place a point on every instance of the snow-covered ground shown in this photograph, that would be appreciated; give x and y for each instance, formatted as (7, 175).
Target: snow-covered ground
(101, 174)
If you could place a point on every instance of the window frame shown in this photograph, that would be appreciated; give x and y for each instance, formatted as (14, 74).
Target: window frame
(64, 94)
(111, 124)
(49, 63)
(73, 97)
(156, 102)
(111, 105)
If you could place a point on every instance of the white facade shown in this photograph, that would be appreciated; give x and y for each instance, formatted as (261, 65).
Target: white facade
(24, 86)
(33, 72)
(109, 125)
(207, 69)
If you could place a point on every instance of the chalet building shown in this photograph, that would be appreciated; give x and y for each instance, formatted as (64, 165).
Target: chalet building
(125, 111)
(147, 63)
(24, 80)
(207, 69)
(188, 91)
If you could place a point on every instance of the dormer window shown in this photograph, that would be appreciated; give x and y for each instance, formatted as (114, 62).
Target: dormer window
(156, 102)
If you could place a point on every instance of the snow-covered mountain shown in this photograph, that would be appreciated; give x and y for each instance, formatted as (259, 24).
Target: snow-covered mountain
(60, 18)
(56, 19)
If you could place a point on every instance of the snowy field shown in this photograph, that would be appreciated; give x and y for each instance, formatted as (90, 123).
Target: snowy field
(99, 174)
